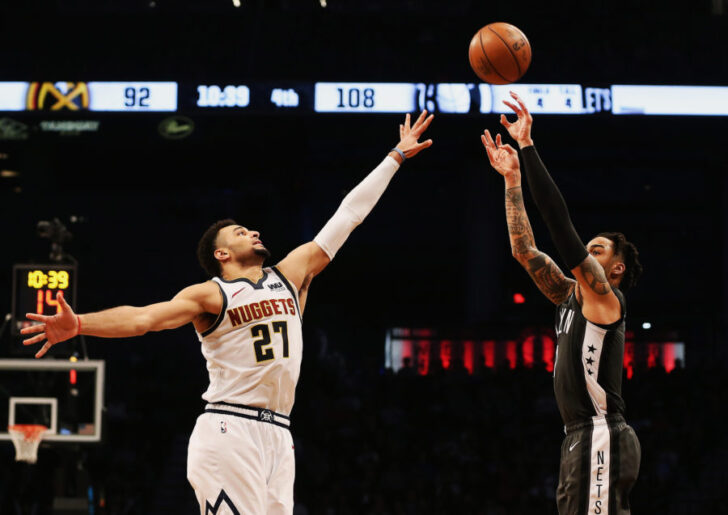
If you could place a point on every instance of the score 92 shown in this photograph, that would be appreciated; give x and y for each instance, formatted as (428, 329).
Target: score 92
(136, 97)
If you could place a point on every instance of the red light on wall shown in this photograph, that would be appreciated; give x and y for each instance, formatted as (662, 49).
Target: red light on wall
(548, 350)
(445, 353)
(668, 357)
(629, 358)
(511, 354)
(72, 378)
(489, 354)
(527, 351)
(407, 352)
(653, 352)
(468, 356)
(518, 298)
(423, 357)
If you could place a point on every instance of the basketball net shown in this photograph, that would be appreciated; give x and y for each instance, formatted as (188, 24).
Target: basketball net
(26, 439)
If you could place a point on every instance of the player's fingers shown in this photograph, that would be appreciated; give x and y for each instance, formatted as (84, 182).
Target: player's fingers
(63, 302)
(424, 124)
(485, 138)
(509, 149)
(519, 100)
(489, 139)
(37, 317)
(407, 122)
(37, 328)
(424, 144)
(420, 118)
(34, 339)
(489, 146)
(43, 350)
(498, 140)
(513, 106)
(401, 131)
(504, 121)
(487, 149)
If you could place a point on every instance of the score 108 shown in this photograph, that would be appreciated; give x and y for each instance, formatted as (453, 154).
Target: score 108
(47, 286)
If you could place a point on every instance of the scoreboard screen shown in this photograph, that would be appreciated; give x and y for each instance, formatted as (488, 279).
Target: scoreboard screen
(312, 98)
(35, 290)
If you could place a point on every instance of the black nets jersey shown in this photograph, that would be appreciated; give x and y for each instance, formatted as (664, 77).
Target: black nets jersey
(588, 364)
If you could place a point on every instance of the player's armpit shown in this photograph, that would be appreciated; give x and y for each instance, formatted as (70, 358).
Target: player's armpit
(303, 262)
(599, 303)
(303, 293)
(591, 277)
(549, 278)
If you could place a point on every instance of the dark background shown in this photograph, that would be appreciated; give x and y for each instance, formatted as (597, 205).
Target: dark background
(433, 253)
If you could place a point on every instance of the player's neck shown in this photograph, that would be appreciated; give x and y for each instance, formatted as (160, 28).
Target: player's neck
(253, 271)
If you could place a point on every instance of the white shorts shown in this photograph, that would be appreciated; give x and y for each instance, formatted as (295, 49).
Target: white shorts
(240, 466)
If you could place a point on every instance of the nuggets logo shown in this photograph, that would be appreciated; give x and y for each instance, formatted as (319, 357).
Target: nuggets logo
(49, 96)
(259, 310)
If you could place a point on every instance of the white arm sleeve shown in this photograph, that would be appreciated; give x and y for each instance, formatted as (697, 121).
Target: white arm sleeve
(355, 207)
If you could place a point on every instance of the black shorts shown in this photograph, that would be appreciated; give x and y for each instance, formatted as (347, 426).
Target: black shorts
(600, 460)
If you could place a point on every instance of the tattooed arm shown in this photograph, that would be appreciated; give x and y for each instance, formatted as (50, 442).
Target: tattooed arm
(545, 273)
(599, 303)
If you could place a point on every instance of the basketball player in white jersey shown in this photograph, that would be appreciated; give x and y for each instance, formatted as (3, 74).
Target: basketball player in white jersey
(248, 318)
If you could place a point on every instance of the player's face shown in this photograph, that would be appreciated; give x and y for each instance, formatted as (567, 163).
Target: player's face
(242, 244)
(602, 249)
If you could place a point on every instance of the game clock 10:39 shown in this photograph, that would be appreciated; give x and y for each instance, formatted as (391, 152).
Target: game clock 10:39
(223, 96)
(35, 290)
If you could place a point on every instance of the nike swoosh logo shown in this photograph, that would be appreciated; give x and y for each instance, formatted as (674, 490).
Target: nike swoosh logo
(571, 447)
(173, 127)
(234, 294)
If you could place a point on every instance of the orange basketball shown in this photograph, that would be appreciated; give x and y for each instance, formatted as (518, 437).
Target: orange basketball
(499, 53)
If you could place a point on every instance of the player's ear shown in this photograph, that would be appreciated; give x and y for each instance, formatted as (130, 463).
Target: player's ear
(221, 254)
(618, 269)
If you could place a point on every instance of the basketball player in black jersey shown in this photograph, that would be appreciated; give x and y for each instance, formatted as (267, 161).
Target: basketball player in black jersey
(600, 455)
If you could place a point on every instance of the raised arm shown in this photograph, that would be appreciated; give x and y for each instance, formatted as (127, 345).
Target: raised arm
(599, 303)
(305, 262)
(542, 269)
(124, 321)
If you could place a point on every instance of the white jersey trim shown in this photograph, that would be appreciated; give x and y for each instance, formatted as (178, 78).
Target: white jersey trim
(591, 353)
(221, 315)
(600, 464)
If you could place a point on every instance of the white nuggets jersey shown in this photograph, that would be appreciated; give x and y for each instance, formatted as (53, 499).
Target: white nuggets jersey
(254, 348)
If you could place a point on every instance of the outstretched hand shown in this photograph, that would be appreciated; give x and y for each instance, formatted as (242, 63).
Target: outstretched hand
(520, 130)
(503, 158)
(409, 136)
(57, 328)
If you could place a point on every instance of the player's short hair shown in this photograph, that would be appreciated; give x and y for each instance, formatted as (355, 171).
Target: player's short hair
(630, 255)
(208, 245)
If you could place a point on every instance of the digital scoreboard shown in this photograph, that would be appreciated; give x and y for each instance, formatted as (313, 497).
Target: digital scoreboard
(273, 97)
(35, 290)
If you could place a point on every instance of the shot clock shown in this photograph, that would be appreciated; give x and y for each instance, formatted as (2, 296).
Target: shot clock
(35, 290)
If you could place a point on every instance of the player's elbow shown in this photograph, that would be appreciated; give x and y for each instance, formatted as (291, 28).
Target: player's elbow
(139, 329)
(141, 325)
(521, 257)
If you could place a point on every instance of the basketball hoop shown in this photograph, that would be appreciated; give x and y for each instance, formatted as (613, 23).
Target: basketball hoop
(26, 438)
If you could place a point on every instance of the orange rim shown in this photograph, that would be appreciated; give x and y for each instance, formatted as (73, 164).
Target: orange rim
(30, 431)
